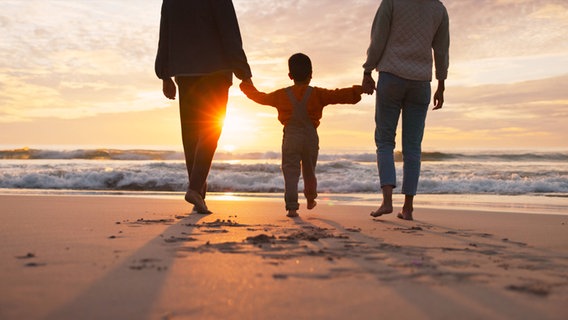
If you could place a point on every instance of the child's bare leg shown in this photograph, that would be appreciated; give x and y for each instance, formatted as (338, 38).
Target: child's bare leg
(310, 181)
(386, 205)
(292, 213)
(407, 208)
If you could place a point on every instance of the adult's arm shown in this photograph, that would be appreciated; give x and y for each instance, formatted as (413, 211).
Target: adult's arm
(379, 35)
(350, 95)
(161, 63)
(231, 38)
(441, 47)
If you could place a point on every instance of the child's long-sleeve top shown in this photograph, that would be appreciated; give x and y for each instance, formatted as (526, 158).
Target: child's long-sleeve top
(319, 98)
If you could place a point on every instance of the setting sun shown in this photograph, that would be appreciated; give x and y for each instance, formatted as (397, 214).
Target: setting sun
(238, 130)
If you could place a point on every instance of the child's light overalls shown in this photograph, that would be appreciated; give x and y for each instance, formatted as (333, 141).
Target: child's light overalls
(300, 147)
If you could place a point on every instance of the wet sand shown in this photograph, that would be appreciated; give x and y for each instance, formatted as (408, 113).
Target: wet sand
(111, 257)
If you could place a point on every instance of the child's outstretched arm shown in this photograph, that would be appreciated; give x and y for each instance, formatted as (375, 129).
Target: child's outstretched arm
(252, 93)
(350, 95)
(358, 90)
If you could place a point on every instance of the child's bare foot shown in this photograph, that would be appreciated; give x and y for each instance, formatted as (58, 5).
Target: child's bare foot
(406, 214)
(292, 214)
(312, 204)
(383, 209)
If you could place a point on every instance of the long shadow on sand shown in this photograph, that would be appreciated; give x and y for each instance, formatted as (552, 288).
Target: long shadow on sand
(129, 290)
(467, 274)
(468, 268)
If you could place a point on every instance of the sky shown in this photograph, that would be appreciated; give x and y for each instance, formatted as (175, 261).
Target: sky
(81, 74)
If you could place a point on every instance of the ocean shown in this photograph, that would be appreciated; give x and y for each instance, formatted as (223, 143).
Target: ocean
(341, 175)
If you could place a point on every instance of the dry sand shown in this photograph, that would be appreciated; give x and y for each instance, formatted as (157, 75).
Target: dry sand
(96, 257)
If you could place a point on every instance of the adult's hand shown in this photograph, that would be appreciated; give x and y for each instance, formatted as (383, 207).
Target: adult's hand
(368, 84)
(247, 81)
(169, 88)
(439, 95)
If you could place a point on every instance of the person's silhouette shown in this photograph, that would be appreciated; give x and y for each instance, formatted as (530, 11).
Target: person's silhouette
(200, 46)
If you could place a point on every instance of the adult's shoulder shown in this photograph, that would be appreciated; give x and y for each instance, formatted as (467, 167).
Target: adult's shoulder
(440, 8)
(439, 4)
(183, 8)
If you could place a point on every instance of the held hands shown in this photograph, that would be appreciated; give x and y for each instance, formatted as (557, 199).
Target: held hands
(368, 84)
(169, 88)
(358, 89)
(246, 83)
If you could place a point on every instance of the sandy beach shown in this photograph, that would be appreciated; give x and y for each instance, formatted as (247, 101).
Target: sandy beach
(114, 257)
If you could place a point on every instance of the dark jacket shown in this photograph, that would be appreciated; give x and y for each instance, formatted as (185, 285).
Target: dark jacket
(200, 37)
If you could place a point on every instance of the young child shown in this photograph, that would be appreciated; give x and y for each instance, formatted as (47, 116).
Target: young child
(300, 110)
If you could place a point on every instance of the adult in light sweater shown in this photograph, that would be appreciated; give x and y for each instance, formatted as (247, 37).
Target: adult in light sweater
(200, 46)
(407, 36)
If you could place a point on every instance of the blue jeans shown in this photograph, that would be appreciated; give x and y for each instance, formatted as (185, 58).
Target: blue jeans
(412, 97)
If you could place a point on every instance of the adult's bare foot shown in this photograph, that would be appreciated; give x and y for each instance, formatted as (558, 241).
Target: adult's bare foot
(292, 214)
(406, 214)
(381, 210)
(194, 210)
(195, 198)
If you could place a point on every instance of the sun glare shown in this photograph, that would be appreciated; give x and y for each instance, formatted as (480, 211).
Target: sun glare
(228, 148)
(231, 124)
(237, 132)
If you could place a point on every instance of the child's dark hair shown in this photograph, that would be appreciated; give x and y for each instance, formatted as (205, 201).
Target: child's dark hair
(300, 66)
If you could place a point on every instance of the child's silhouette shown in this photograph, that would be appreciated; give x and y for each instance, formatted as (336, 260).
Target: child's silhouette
(300, 110)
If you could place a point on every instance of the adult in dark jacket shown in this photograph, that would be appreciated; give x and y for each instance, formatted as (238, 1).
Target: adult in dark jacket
(200, 46)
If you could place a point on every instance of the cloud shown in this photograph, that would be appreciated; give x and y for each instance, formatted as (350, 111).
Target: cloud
(72, 59)
(537, 106)
(335, 38)
(79, 60)
(489, 29)
(500, 70)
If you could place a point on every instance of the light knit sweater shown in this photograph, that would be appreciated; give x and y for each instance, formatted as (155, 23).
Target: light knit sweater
(403, 37)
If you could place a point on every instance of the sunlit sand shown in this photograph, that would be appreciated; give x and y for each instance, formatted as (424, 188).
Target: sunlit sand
(123, 257)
